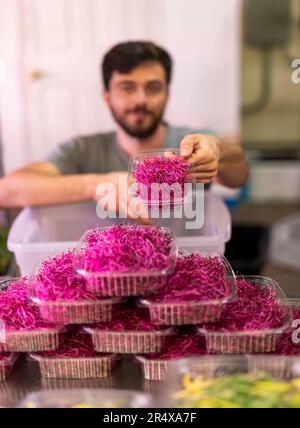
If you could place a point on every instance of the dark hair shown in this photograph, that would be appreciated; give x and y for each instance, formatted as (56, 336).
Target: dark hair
(124, 57)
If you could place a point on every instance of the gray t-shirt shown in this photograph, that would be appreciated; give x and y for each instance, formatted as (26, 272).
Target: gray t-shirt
(100, 153)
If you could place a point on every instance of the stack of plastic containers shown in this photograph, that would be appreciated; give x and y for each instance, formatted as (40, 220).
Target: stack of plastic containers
(184, 304)
(125, 290)
(107, 288)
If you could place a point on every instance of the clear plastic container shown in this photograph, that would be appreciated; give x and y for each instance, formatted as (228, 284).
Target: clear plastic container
(40, 232)
(100, 383)
(76, 368)
(276, 365)
(193, 312)
(74, 312)
(32, 340)
(155, 370)
(41, 339)
(250, 341)
(87, 398)
(128, 342)
(140, 192)
(124, 283)
(6, 365)
(194, 376)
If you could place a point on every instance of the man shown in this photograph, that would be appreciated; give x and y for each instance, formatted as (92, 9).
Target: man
(136, 77)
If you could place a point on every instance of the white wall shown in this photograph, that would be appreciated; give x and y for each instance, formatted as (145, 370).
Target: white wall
(203, 37)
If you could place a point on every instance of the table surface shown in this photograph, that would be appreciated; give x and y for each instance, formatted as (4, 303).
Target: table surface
(25, 379)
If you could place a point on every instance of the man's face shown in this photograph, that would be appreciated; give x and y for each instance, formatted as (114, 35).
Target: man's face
(137, 100)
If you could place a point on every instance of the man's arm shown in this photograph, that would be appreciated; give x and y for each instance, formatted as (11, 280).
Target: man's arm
(212, 158)
(42, 183)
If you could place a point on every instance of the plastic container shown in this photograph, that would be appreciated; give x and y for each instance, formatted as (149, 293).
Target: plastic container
(285, 241)
(125, 283)
(140, 192)
(74, 312)
(87, 398)
(100, 383)
(225, 368)
(193, 312)
(128, 342)
(42, 339)
(32, 340)
(6, 366)
(155, 370)
(40, 232)
(76, 368)
(276, 365)
(249, 341)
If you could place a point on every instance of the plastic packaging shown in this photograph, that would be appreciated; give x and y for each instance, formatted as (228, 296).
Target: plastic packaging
(32, 340)
(76, 368)
(128, 342)
(193, 312)
(6, 365)
(41, 338)
(74, 312)
(229, 381)
(118, 283)
(159, 163)
(250, 341)
(87, 398)
(153, 369)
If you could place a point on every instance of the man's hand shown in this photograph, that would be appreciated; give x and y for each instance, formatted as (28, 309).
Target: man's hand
(212, 157)
(203, 153)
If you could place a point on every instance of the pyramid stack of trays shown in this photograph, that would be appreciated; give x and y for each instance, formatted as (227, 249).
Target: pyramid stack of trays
(128, 290)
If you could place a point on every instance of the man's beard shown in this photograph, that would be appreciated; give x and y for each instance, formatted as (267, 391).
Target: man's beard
(136, 132)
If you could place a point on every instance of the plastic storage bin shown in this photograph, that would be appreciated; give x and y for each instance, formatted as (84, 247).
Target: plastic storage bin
(193, 312)
(87, 398)
(76, 368)
(128, 342)
(154, 200)
(124, 283)
(41, 232)
(6, 365)
(249, 341)
(285, 241)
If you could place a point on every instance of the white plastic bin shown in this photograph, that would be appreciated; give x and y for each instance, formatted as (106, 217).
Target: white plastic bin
(40, 232)
(285, 241)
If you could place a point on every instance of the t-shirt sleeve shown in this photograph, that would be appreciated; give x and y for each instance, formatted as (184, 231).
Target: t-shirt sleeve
(66, 157)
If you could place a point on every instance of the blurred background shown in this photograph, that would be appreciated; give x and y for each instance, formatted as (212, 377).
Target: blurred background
(233, 68)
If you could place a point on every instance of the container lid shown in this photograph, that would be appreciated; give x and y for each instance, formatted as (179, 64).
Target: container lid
(228, 279)
(262, 282)
(141, 191)
(86, 272)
